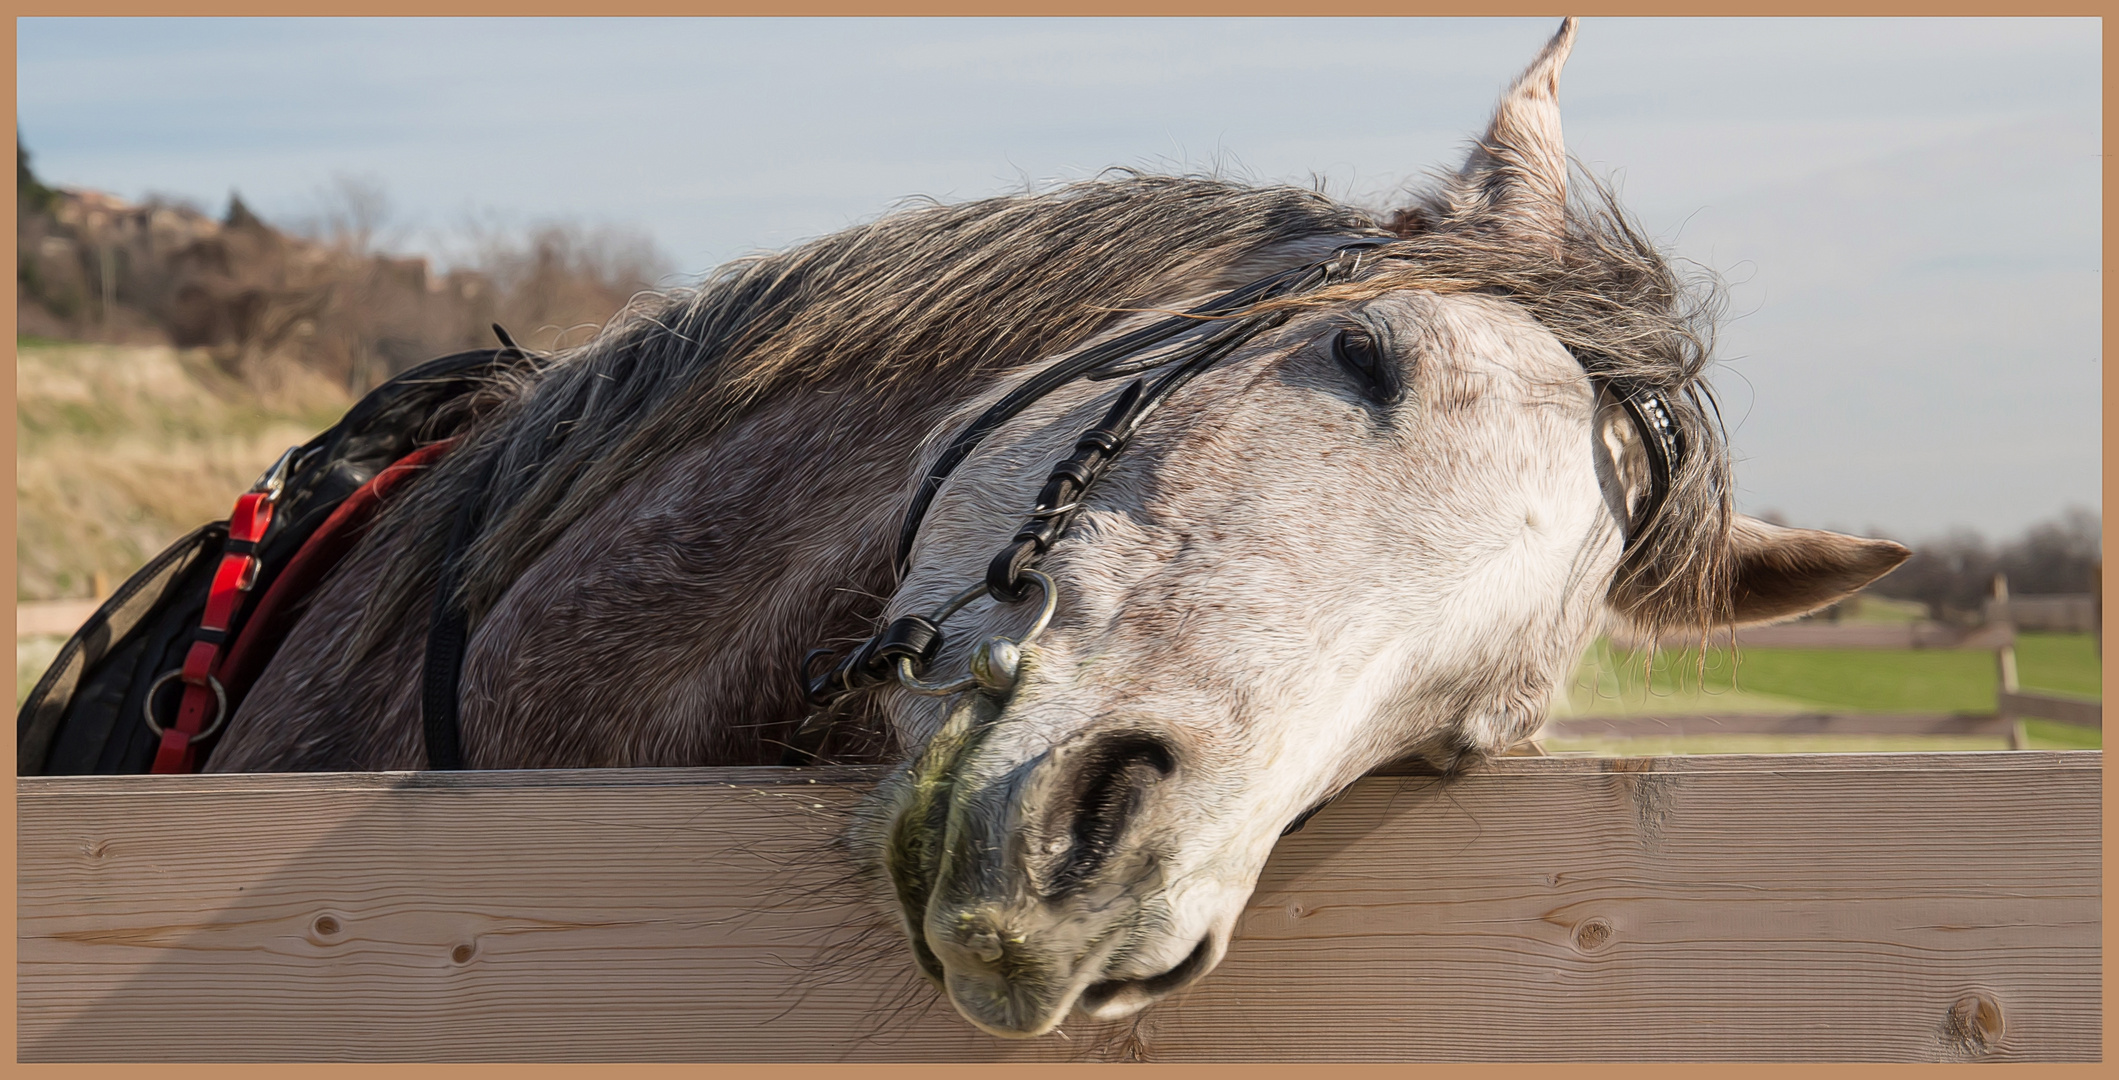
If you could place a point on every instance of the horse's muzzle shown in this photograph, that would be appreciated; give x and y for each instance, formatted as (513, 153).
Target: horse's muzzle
(1003, 981)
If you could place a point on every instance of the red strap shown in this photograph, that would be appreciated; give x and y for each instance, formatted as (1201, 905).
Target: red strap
(202, 703)
(283, 603)
(198, 662)
(253, 512)
(175, 754)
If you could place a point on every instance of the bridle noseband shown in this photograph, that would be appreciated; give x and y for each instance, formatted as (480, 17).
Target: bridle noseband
(1184, 346)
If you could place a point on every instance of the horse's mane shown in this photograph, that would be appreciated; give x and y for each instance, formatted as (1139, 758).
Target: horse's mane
(943, 295)
(929, 298)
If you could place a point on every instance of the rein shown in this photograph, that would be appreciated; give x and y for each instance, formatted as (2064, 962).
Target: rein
(1184, 345)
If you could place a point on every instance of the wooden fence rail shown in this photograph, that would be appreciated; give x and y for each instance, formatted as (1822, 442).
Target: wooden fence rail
(52, 616)
(1861, 907)
(1789, 724)
(1823, 635)
(2017, 703)
(2013, 707)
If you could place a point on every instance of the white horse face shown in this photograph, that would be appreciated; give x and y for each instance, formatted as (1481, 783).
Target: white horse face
(1385, 528)
(1308, 565)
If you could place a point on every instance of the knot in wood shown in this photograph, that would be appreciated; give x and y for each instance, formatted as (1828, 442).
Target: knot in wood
(1975, 1023)
(325, 926)
(462, 954)
(1594, 934)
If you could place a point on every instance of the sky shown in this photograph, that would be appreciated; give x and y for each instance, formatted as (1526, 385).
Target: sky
(1907, 213)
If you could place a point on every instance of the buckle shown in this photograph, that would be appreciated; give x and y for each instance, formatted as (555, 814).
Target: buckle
(274, 479)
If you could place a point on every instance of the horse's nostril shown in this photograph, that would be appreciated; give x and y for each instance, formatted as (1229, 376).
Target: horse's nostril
(1105, 789)
(1108, 991)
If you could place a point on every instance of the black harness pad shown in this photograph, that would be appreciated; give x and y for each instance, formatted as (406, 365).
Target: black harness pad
(85, 715)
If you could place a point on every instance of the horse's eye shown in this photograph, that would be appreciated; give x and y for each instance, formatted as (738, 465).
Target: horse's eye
(1357, 352)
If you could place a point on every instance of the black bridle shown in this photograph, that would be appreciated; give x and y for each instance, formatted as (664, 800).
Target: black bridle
(1184, 345)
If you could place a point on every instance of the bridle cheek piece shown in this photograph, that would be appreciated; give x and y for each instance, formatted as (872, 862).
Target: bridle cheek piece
(1184, 346)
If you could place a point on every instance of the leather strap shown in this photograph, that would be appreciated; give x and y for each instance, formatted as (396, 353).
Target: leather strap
(447, 636)
(448, 625)
(1184, 344)
(1207, 322)
(204, 705)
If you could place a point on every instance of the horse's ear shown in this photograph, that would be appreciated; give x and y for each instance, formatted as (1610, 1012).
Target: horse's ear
(1515, 179)
(1780, 573)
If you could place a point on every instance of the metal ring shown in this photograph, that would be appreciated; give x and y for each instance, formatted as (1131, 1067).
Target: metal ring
(220, 707)
(1044, 614)
(911, 681)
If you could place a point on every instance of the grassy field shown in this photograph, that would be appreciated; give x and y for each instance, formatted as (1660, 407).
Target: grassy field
(1614, 683)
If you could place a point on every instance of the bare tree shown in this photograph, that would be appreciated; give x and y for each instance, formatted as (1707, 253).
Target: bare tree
(558, 281)
(352, 214)
(1953, 574)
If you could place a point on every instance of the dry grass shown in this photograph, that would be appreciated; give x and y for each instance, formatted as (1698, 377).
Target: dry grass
(120, 450)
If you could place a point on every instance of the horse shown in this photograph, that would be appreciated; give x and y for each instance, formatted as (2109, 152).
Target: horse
(1376, 481)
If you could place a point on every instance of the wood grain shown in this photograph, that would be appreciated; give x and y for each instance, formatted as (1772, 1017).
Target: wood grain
(1856, 907)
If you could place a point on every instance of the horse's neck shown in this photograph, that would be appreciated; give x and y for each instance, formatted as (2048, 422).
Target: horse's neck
(699, 586)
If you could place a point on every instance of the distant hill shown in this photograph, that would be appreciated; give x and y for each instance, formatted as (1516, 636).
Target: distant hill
(94, 268)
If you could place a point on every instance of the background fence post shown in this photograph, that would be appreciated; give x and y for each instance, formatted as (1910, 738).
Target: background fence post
(2005, 663)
